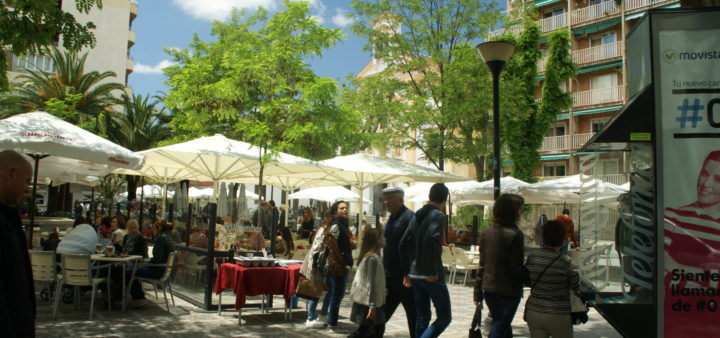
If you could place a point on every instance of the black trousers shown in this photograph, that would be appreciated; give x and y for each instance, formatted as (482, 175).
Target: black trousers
(396, 295)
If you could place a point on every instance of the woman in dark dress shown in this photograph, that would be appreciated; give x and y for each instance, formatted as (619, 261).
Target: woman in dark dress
(308, 223)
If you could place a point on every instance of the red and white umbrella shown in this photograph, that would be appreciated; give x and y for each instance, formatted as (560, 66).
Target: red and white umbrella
(39, 135)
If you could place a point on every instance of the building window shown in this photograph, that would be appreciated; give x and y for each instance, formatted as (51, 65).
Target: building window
(597, 124)
(597, 2)
(553, 169)
(556, 130)
(553, 12)
(33, 62)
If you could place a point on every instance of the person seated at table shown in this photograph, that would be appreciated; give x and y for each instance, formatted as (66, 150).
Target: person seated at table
(134, 243)
(161, 252)
(287, 240)
(467, 235)
(256, 240)
(81, 240)
(104, 229)
(308, 223)
(198, 239)
(51, 243)
(117, 230)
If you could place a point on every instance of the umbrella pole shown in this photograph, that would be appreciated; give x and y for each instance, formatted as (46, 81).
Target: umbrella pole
(164, 201)
(142, 201)
(29, 231)
(92, 202)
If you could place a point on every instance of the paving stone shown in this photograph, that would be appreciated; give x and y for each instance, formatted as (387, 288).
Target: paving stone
(185, 320)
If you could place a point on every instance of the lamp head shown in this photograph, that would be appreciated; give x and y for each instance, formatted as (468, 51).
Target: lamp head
(495, 51)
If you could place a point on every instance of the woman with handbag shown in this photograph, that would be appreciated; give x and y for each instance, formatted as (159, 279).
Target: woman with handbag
(553, 277)
(339, 259)
(502, 272)
(315, 277)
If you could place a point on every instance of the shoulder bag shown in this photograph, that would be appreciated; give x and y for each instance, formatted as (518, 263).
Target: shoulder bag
(537, 280)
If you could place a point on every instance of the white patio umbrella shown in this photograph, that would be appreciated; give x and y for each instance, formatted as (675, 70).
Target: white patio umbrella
(363, 170)
(243, 212)
(328, 194)
(197, 192)
(567, 189)
(222, 207)
(483, 192)
(40, 135)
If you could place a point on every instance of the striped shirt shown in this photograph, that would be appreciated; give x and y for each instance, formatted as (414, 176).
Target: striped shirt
(551, 293)
(691, 236)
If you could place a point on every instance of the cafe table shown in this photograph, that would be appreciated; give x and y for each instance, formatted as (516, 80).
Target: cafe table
(254, 281)
(119, 260)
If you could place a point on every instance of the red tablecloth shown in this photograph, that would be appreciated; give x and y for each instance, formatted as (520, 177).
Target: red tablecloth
(255, 281)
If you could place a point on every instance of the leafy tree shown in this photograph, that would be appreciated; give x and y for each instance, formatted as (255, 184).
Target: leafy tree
(420, 41)
(140, 126)
(253, 84)
(27, 25)
(85, 96)
(525, 120)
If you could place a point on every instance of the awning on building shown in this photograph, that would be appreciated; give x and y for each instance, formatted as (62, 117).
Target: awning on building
(596, 111)
(540, 3)
(634, 123)
(612, 64)
(554, 157)
(596, 27)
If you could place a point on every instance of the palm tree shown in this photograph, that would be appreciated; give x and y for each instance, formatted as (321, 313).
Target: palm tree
(89, 93)
(140, 125)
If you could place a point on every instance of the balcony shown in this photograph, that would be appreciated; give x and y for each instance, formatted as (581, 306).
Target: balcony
(131, 38)
(514, 29)
(552, 23)
(133, 10)
(599, 96)
(618, 179)
(541, 65)
(555, 143)
(129, 66)
(598, 53)
(635, 4)
(594, 12)
(579, 140)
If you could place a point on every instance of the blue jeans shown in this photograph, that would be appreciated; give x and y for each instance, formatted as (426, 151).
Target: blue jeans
(502, 309)
(312, 305)
(147, 272)
(336, 290)
(425, 292)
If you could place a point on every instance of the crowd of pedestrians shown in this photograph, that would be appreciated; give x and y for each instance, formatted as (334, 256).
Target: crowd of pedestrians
(401, 263)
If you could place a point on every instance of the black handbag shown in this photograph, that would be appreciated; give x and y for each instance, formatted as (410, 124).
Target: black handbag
(475, 325)
(578, 309)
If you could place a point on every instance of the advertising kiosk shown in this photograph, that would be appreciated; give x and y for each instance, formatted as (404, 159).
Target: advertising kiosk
(667, 232)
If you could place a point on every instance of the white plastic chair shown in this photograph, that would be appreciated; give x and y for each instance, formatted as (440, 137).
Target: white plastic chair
(163, 281)
(463, 262)
(78, 271)
(44, 269)
(448, 261)
(193, 268)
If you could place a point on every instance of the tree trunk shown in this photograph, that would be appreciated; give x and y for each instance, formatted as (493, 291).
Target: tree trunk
(132, 182)
(441, 153)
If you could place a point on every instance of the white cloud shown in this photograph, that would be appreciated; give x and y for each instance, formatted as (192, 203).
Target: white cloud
(320, 20)
(341, 18)
(219, 9)
(157, 69)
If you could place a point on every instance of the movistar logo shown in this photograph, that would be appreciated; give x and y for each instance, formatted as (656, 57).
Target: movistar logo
(671, 56)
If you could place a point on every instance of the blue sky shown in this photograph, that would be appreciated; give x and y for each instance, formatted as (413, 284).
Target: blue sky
(171, 23)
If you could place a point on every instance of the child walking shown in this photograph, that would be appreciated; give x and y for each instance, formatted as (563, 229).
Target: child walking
(368, 287)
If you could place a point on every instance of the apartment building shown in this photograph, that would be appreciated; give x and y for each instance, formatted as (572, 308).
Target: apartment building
(114, 39)
(598, 29)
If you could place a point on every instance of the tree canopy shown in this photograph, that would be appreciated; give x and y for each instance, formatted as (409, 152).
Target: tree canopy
(525, 120)
(430, 84)
(28, 25)
(254, 84)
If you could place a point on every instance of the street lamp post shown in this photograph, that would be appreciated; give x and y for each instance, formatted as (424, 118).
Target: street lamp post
(496, 54)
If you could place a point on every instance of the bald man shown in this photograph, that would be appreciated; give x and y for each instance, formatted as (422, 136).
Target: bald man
(17, 295)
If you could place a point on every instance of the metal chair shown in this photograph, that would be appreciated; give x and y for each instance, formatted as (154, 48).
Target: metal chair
(77, 271)
(44, 269)
(163, 281)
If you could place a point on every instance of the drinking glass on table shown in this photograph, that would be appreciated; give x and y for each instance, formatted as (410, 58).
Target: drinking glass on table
(98, 248)
(110, 250)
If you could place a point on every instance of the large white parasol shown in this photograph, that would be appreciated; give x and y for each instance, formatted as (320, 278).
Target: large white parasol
(328, 194)
(40, 135)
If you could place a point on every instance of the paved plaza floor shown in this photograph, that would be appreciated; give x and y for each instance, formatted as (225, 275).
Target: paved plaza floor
(185, 320)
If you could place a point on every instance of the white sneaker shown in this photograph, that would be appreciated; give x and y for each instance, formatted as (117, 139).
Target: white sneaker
(314, 324)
